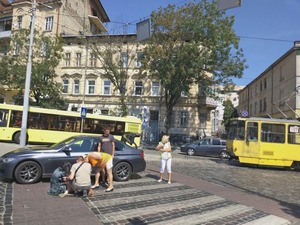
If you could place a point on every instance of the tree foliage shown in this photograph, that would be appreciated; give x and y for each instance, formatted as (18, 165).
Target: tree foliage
(116, 54)
(46, 54)
(229, 112)
(192, 45)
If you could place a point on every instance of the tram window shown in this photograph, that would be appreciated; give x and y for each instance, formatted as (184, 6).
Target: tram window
(274, 133)
(252, 131)
(294, 134)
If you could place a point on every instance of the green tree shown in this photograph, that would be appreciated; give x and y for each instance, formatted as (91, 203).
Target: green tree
(192, 45)
(116, 54)
(46, 54)
(229, 112)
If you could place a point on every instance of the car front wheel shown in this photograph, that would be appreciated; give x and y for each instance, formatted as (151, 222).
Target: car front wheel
(190, 151)
(122, 171)
(28, 172)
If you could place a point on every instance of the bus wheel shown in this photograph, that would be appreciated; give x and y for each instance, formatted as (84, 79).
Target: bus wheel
(28, 172)
(122, 171)
(17, 137)
(190, 151)
(295, 166)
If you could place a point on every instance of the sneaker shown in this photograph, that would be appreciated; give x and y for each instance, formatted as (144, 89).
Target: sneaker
(63, 194)
(160, 180)
(104, 184)
(169, 182)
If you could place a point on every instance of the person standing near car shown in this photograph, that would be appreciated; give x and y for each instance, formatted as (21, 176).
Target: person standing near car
(101, 160)
(165, 157)
(106, 145)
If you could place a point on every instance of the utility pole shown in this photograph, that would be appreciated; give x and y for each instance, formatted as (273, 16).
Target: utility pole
(28, 80)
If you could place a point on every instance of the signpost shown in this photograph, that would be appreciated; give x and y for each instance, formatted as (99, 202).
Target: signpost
(83, 113)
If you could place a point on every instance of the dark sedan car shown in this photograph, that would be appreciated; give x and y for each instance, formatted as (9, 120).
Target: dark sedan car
(30, 164)
(215, 147)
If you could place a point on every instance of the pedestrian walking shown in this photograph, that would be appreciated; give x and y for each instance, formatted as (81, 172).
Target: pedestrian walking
(165, 157)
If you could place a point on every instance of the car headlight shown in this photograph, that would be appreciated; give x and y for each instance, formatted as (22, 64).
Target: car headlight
(6, 160)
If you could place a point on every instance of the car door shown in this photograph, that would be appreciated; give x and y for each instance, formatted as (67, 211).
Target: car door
(69, 153)
(202, 147)
(215, 147)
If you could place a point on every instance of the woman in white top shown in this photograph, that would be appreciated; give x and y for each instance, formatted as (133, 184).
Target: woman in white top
(165, 157)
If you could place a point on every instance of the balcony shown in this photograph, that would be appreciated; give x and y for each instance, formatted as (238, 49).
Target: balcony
(207, 102)
(5, 34)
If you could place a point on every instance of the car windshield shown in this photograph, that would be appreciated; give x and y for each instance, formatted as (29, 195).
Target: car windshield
(63, 143)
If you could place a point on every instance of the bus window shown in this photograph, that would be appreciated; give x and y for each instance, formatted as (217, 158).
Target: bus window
(252, 131)
(3, 118)
(273, 133)
(33, 120)
(16, 119)
(294, 134)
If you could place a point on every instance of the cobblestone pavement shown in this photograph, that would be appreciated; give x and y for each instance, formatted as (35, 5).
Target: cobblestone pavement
(143, 200)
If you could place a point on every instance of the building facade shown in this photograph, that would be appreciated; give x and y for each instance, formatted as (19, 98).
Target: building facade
(275, 92)
(81, 71)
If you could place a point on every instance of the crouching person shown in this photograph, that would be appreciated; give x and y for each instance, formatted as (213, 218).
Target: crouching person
(80, 178)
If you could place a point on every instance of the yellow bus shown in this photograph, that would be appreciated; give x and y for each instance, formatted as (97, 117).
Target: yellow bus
(51, 126)
(264, 141)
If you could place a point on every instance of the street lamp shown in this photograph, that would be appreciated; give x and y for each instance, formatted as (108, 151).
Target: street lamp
(28, 80)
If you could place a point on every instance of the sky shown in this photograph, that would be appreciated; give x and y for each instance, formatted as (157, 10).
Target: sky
(267, 28)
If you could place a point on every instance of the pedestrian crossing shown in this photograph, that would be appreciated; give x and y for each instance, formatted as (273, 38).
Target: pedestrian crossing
(145, 201)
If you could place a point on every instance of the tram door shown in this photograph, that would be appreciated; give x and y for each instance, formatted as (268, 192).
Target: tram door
(252, 144)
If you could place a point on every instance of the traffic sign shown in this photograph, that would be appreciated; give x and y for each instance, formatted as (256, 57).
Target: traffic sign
(244, 113)
(83, 112)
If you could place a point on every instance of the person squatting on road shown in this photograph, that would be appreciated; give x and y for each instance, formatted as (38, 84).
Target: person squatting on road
(80, 178)
(102, 160)
(165, 157)
(106, 145)
(57, 185)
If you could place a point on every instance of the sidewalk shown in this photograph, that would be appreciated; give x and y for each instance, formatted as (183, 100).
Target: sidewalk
(33, 206)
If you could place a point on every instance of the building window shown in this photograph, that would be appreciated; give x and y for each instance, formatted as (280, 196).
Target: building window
(260, 105)
(78, 59)
(155, 88)
(203, 120)
(19, 22)
(76, 87)
(106, 87)
(93, 60)
(265, 83)
(49, 23)
(68, 59)
(281, 76)
(65, 86)
(16, 49)
(138, 88)
(265, 104)
(139, 56)
(184, 94)
(91, 87)
(255, 108)
(124, 59)
(183, 119)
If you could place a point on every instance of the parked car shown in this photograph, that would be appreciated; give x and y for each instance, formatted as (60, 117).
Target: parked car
(215, 147)
(30, 164)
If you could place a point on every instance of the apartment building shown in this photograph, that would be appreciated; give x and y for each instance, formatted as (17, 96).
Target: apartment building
(82, 75)
(81, 71)
(275, 92)
(53, 17)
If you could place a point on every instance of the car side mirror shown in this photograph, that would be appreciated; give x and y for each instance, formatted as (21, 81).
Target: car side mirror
(67, 149)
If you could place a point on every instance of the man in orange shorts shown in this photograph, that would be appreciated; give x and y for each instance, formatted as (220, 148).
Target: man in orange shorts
(101, 160)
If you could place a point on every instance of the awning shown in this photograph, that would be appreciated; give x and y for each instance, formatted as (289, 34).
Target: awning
(95, 20)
